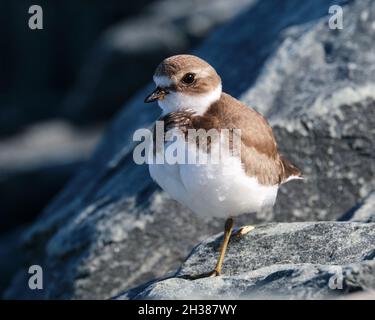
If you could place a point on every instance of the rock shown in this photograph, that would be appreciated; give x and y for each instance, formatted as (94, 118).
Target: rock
(366, 295)
(312, 260)
(365, 211)
(11, 256)
(317, 91)
(112, 228)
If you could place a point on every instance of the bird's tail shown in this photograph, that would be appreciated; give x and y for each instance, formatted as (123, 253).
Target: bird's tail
(289, 171)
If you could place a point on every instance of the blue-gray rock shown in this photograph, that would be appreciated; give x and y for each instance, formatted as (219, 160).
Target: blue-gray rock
(365, 211)
(312, 260)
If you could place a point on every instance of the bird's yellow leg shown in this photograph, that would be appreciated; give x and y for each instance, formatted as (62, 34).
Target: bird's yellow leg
(223, 248)
(227, 234)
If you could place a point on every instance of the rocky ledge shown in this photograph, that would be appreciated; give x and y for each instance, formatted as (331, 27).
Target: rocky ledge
(303, 260)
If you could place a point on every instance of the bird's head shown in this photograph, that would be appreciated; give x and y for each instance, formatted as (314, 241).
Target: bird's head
(185, 82)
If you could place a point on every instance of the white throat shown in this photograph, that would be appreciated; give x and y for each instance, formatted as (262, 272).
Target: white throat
(175, 101)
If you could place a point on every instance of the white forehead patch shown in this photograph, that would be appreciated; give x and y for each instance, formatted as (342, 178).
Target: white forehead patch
(162, 81)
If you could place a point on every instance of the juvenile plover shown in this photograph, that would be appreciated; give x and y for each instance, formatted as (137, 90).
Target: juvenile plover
(189, 92)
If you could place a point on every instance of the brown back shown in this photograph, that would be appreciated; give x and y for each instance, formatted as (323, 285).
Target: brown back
(259, 153)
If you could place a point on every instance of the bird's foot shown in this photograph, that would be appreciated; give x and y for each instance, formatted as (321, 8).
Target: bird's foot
(242, 231)
(210, 274)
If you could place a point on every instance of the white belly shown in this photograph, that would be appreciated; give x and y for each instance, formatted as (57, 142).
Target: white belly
(214, 190)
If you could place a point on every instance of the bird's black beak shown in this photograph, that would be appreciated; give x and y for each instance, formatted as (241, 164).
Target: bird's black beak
(157, 94)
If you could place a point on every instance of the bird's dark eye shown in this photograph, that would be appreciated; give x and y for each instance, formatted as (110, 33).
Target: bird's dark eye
(188, 78)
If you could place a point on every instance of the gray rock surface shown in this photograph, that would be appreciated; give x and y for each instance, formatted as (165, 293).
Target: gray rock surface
(366, 210)
(112, 228)
(10, 256)
(318, 92)
(312, 260)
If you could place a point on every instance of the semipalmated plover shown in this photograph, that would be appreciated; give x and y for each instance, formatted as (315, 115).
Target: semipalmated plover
(189, 92)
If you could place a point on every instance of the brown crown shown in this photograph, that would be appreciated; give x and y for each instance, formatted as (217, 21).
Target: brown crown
(175, 67)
